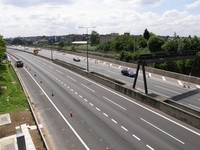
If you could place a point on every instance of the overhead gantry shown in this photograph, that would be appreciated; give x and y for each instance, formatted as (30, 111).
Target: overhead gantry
(144, 59)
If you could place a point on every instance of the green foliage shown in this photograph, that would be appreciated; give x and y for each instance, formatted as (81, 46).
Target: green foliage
(126, 56)
(185, 44)
(95, 38)
(13, 98)
(2, 48)
(124, 42)
(146, 34)
(141, 42)
(195, 43)
(170, 46)
(155, 43)
(17, 41)
(61, 44)
(170, 66)
(105, 47)
(73, 48)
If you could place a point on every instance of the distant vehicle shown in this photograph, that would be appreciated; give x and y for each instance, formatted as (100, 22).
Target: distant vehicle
(76, 59)
(128, 72)
(35, 51)
(19, 64)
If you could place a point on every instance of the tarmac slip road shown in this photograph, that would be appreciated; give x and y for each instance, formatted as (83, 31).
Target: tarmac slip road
(101, 117)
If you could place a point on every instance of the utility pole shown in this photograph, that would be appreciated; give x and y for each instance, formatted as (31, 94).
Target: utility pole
(87, 43)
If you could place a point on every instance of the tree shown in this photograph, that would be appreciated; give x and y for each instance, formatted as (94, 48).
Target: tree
(95, 38)
(17, 41)
(141, 42)
(195, 42)
(2, 47)
(123, 42)
(105, 46)
(155, 43)
(117, 43)
(170, 46)
(185, 44)
(61, 44)
(146, 34)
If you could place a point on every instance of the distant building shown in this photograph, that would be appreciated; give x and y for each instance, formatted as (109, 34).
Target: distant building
(108, 37)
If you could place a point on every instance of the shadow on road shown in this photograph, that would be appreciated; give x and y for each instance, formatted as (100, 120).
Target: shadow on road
(185, 95)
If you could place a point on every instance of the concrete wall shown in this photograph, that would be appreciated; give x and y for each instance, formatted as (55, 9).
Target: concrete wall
(168, 108)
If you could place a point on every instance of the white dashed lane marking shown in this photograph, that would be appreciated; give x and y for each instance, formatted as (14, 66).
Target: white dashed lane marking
(124, 128)
(149, 147)
(114, 121)
(105, 114)
(98, 109)
(136, 137)
(91, 104)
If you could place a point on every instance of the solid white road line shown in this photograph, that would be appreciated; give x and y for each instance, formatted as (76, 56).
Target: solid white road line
(71, 78)
(74, 131)
(194, 106)
(114, 103)
(50, 67)
(59, 71)
(162, 131)
(88, 88)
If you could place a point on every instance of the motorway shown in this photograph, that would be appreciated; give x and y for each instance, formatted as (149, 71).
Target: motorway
(160, 85)
(101, 117)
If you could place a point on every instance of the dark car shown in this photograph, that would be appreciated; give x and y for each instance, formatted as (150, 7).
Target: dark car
(19, 64)
(76, 59)
(128, 72)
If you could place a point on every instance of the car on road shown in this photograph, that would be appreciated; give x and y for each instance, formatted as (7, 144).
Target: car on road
(128, 72)
(76, 59)
(19, 64)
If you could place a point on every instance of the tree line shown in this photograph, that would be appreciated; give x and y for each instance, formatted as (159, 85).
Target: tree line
(128, 47)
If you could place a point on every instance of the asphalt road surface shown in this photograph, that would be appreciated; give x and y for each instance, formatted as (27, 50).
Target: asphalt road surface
(160, 85)
(100, 117)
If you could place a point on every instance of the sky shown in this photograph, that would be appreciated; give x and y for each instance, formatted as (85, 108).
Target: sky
(24, 18)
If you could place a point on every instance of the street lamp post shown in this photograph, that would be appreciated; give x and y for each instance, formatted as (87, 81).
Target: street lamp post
(87, 44)
(51, 42)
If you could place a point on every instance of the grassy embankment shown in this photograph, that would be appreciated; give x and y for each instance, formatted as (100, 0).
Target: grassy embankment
(12, 97)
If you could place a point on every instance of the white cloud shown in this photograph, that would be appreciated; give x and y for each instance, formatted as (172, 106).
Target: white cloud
(196, 4)
(107, 15)
(30, 3)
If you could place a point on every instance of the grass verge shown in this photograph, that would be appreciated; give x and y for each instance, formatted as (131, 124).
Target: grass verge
(12, 97)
